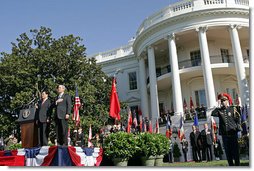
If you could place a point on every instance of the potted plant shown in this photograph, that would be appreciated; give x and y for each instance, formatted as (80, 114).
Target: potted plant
(176, 152)
(120, 147)
(147, 148)
(162, 148)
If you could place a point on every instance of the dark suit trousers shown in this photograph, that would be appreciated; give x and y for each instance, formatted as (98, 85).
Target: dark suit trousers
(62, 131)
(209, 154)
(196, 154)
(232, 149)
(42, 136)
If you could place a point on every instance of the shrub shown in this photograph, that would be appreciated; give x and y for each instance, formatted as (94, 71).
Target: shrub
(147, 144)
(120, 145)
(162, 144)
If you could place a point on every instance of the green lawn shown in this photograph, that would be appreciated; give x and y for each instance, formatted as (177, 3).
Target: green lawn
(220, 163)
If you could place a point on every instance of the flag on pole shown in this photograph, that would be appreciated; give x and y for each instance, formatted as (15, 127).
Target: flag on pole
(157, 131)
(184, 105)
(90, 137)
(135, 121)
(238, 100)
(144, 126)
(191, 104)
(140, 123)
(196, 119)
(244, 120)
(77, 104)
(214, 129)
(150, 126)
(168, 128)
(114, 111)
(139, 111)
(129, 120)
(181, 129)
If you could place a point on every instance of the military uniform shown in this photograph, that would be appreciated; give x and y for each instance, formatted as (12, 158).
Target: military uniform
(229, 121)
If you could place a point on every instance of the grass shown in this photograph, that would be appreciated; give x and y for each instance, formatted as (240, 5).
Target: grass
(221, 163)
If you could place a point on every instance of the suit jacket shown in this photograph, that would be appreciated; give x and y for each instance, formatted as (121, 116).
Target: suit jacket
(195, 139)
(207, 139)
(44, 111)
(64, 107)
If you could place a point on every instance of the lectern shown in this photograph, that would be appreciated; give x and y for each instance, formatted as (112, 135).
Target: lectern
(29, 130)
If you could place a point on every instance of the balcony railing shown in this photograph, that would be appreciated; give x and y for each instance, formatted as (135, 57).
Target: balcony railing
(197, 62)
(186, 6)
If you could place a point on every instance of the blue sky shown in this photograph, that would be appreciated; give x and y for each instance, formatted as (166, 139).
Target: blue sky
(102, 24)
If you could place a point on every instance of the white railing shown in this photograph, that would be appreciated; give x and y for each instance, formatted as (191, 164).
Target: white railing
(186, 6)
(113, 54)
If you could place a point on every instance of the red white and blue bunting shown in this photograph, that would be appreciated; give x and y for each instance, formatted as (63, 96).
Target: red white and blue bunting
(52, 156)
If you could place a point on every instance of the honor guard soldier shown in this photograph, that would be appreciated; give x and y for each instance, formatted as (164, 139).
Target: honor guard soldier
(229, 125)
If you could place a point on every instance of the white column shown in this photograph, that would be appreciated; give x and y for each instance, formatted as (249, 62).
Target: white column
(176, 84)
(153, 86)
(207, 70)
(251, 25)
(239, 65)
(143, 87)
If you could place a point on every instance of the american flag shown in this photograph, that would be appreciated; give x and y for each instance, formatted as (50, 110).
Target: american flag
(181, 129)
(77, 105)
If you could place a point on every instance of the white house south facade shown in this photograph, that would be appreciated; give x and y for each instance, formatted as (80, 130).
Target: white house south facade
(193, 49)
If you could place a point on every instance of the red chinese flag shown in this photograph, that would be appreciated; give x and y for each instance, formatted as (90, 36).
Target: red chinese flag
(114, 102)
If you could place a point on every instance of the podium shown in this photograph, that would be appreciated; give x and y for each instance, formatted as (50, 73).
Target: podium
(29, 130)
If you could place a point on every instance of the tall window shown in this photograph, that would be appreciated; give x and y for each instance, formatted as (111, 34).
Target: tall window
(200, 97)
(195, 58)
(224, 55)
(232, 93)
(133, 80)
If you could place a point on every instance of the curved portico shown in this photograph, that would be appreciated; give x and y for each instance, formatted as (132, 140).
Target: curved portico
(176, 39)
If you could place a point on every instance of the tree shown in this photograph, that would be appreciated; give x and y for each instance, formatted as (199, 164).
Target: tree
(38, 62)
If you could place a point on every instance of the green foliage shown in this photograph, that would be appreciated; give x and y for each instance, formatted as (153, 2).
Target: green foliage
(120, 145)
(38, 61)
(162, 144)
(176, 151)
(147, 144)
(14, 146)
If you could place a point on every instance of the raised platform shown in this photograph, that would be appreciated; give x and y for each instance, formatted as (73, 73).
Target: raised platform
(52, 156)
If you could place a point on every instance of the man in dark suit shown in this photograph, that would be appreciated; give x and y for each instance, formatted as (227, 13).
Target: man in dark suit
(207, 142)
(43, 115)
(195, 143)
(63, 110)
(229, 120)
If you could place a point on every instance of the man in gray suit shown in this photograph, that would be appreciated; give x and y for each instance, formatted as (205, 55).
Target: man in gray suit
(63, 110)
(43, 115)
